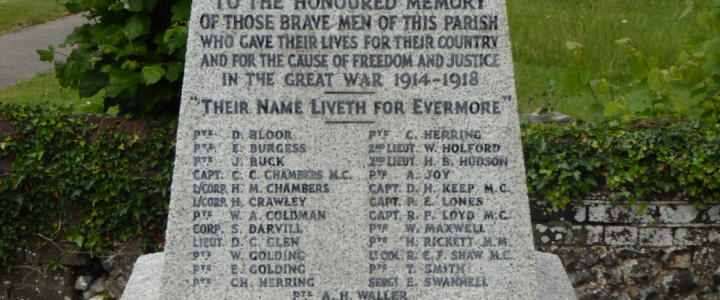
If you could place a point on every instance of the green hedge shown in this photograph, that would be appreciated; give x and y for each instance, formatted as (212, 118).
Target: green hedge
(633, 160)
(120, 184)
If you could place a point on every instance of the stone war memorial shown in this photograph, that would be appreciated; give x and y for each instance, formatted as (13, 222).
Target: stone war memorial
(348, 149)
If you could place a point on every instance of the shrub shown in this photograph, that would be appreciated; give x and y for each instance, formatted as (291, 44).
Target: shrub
(134, 50)
(634, 160)
(660, 92)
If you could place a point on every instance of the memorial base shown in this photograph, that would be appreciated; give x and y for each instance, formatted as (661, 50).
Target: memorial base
(144, 283)
(553, 283)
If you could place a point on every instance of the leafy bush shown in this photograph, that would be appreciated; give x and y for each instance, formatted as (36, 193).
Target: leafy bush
(655, 93)
(133, 49)
(118, 184)
(633, 160)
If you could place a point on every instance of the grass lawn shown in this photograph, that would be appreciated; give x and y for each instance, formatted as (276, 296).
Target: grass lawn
(539, 30)
(43, 87)
(17, 13)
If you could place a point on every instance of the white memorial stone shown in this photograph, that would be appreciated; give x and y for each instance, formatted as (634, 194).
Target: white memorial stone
(144, 283)
(349, 149)
(553, 282)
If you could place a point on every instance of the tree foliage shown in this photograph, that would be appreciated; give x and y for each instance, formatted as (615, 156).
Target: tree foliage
(132, 50)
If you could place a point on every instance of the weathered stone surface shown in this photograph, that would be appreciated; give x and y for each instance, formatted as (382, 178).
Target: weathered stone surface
(551, 117)
(588, 293)
(19, 253)
(36, 293)
(110, 263)
(711, 296)
(553, 283)
(568, 258)
(590, 258)
(20, 276)
(82, 282)
(678, 213)
(647, 292)
(580, 277)
(539, 212)
(713, 214)
(49, 251)
(679, 259)
(120, 282)
(144, 284)
(609, 259)
(657, 255)
(683, 282)
(126, 256)
(96, 287)
(614, 276)
(623, 296)
(627, 254)
(620, 214)
(59, 277)
(118, 279)
(714, 235)
(690, 237)
(621, 236)
(585, 235)
(642, 269)
(553, 234)
(341, 150)
(656, 237)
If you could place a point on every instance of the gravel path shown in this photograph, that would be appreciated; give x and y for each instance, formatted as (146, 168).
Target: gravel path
(18, 58)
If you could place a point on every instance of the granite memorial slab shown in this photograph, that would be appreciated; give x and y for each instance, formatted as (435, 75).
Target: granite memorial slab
(349, 149)
(553, 282)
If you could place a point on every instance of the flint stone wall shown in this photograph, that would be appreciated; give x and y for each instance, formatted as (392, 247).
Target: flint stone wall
(670, 252)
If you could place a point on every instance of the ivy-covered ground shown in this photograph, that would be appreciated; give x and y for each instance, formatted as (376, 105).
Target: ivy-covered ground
(116, 182)
(119, 183)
